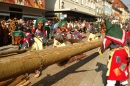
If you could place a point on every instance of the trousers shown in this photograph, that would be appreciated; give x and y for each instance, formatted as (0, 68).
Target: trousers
(113, 82)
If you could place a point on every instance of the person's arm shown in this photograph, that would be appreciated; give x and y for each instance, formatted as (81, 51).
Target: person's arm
(104, 45)
(44, 36)
(33, 30)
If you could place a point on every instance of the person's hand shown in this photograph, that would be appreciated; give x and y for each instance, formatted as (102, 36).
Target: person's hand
(100, 52)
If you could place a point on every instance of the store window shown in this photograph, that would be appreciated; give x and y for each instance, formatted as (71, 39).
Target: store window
(30, 17)
(4, 15)
(15, 15)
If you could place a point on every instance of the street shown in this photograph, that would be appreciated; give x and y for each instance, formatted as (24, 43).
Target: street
(89, 71)
(71, 74)
(84, 72)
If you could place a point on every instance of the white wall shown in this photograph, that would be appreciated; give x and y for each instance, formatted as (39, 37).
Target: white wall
(71, 4)
(52, 4)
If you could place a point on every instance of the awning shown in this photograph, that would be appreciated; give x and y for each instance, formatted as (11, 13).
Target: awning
(73, 10)
(30, 16)
(4, 14)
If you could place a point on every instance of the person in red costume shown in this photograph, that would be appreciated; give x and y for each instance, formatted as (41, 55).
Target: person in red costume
(115, 40)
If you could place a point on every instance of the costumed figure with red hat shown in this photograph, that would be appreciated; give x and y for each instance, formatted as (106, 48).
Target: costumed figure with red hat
(115, 40)
(61, 34)
(39, 34)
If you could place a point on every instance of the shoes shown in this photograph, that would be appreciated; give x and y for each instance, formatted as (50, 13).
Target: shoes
(36, 73)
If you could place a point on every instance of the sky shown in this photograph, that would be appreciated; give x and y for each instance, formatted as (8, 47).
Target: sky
(127, 3)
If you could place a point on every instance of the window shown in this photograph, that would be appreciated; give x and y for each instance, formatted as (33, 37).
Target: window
(89, 4)
(86, 2)
(97, 11)
(94, 5)
(82, 1)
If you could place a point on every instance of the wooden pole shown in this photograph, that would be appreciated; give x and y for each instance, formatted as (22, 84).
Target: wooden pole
(12, 51)
(16, 65)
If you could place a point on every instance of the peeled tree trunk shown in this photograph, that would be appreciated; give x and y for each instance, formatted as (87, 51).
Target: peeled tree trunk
(30, 61)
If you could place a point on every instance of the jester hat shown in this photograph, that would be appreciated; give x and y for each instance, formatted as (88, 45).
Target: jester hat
(115, 33)
(40, 19)
(76, 27)
(61, 23)
(96, 25)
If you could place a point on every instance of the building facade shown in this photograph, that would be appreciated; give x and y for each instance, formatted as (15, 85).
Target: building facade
(99, 9)
(108, 8)
(71, 9)
(22, 9)
(124, 14)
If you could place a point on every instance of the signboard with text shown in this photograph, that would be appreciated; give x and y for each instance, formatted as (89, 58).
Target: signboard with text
(30, 3)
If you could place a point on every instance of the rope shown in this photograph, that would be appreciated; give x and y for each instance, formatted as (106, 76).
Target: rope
(41, 59)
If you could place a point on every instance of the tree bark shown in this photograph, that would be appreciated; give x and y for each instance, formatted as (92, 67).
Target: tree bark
(12, 51)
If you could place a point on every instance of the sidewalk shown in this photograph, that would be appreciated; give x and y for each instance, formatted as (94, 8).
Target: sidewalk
(96, 77)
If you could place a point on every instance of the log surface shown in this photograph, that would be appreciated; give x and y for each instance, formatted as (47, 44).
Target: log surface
(16, 65)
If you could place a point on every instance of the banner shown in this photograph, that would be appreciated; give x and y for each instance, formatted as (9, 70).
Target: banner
(30, 3)
(19, 2)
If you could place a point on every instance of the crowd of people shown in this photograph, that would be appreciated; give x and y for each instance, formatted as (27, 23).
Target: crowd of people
(14, 31)
(9, 30)
(7, 27)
